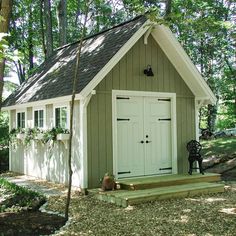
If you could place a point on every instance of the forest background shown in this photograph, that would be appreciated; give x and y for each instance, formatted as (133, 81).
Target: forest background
(205, 28)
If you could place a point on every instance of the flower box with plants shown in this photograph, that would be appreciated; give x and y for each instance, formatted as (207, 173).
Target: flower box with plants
(30, 135)
(20, 136)
(39, 135)
(15, 134)
(47, 136)
(63, 135)
(56, 134)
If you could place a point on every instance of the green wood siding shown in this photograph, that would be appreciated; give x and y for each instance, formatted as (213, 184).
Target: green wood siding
(128, 75)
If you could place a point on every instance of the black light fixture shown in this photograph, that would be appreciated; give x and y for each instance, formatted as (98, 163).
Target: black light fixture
(148, 71)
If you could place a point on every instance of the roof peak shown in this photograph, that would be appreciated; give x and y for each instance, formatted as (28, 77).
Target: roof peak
(101, 32)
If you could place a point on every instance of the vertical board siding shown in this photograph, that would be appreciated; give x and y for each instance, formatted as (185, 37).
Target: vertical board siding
(46, 161)
(128, 75)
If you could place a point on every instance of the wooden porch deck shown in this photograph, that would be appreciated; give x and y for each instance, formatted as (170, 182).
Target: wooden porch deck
(137, 190)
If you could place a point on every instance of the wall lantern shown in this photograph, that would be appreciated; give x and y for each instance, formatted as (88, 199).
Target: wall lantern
(148, 71)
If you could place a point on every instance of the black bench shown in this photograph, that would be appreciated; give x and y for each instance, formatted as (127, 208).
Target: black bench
(194, 148)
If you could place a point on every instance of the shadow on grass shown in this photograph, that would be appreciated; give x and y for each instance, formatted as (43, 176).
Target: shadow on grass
(218, 147)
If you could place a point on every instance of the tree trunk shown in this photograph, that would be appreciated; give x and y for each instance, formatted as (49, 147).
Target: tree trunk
(42, 27)
(75, 83)
(20, 71)
(48, 24)
(62, 21)
(30, 39)
(168, 8)
(211, 117)
(5, 13)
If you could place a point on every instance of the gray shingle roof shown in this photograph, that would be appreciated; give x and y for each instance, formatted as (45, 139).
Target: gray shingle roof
(54, 77)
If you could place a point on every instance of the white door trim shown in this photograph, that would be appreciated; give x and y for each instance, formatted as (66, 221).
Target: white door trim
(171, 96)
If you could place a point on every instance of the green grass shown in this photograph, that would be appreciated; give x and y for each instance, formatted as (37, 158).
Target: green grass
(219, 147)
(18, 197)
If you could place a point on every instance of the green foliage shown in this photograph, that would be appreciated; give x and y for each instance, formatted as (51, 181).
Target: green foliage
(4, 119)
(10, 86)
(31, 134)
(4, 139)
(205, 29)
(220, 146)
(20, 197)
(51, 135)
(3, 45)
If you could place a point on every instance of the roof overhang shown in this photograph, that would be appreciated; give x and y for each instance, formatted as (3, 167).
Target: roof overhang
(173, 50)
(175, 53)
(116, 58)
(183, 64)
(63, 99)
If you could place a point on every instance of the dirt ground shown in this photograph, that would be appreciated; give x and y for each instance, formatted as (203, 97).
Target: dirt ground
(29, 223)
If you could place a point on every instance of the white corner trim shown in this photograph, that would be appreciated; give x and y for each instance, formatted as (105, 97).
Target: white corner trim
(172, 97)
(114, 132)
(10, 145)
(146, 35)
(181, 61)
(115, 59)
(83, 140)
(197, 107)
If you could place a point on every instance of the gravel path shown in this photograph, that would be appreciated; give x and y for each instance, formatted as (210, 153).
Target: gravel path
(203, 215)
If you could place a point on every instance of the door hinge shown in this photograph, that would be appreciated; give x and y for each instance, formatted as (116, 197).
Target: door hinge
(120, 119)
(167, 168)
(164, 119)
(122, 98)
(124, 172)
(164, 99)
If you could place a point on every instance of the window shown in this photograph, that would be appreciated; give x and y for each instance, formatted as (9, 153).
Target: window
(39, 118)
(20, 119)
(61, 117)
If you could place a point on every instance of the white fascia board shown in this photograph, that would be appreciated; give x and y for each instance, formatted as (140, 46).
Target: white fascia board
(42, 102)
(116, 58)
(181, 61)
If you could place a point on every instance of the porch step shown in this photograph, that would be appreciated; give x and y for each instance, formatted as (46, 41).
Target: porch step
(167, 180)
(124, 197)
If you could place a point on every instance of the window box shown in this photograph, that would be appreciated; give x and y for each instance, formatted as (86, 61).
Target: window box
(63, 137)
(20, 136)
(39, 136)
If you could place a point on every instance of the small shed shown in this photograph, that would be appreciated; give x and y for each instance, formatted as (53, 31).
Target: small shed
(136, 107)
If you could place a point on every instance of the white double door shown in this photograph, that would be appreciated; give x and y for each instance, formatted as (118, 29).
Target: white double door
(143, 136)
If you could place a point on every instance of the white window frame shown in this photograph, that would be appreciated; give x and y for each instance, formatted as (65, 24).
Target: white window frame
(60, 105)
(21, 111)
(39, 108)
